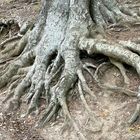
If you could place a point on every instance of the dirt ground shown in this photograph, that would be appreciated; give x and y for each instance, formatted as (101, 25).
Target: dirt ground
(113, 109)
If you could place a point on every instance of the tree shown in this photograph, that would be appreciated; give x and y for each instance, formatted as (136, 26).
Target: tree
(50, 49)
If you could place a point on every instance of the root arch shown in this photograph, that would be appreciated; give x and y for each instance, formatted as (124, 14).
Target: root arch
(51, 50)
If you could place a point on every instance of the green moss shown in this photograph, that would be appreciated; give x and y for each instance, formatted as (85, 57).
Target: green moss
(8, 1)
(36, 7)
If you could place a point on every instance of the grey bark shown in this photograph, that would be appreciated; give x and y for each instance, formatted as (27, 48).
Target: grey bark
(63, 29)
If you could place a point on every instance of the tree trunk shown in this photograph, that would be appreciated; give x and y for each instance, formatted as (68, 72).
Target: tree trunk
(51, 50)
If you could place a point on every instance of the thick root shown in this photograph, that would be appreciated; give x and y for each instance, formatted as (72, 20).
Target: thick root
(105, 12)
(126, 52)
(12, 69)
(58, 97)
(15, 49)
(39, 50)
(112, 51)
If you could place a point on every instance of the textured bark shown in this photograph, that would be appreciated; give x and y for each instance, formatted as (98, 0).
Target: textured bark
(62, 30)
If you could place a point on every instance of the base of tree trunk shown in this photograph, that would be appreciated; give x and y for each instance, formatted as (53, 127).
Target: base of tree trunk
(50, 51)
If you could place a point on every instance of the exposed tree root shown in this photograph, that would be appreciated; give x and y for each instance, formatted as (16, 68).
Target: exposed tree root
(122, 70)
(97, 126)
(67, 114)
(12, 69)
(105, 12)
(5, 24)
(24, 28)
(9, 40)
(136, 113)
(51, 62)
(11, 91)
(110, 87)
(15, 49)
(83, 98)
(84, 84)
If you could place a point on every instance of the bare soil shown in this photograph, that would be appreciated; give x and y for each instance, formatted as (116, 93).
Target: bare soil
(113, 109)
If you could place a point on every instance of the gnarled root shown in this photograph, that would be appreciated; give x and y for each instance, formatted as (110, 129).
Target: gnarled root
(9, 40)
(56, 65)
(105, 12)
(12, 69)
(39, 80)
(110, 87)
(122, 52)
(15, 49)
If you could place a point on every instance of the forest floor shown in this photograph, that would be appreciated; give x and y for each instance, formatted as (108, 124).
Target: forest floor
(113, 109)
